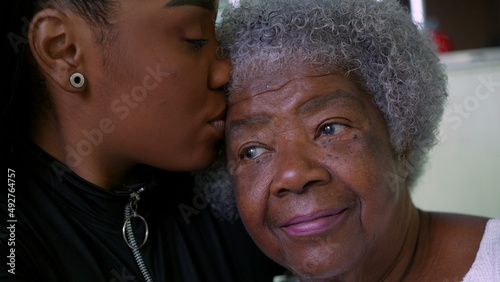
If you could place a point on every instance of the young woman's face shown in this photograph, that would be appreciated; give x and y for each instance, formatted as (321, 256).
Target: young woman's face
(161, 82)
(312, 165)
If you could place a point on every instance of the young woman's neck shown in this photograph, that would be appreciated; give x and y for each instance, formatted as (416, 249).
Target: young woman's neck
(84, 148)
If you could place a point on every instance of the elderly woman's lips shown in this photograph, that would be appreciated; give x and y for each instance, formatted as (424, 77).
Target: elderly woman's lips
(314, 223)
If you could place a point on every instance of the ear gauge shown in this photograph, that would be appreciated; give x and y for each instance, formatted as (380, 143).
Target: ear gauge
(77, 80)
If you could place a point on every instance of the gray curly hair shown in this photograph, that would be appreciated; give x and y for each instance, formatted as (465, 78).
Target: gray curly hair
(376, 40)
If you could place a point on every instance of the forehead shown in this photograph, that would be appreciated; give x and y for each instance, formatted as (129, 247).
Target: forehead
(298, 96)
(267, 83)
(301, 84)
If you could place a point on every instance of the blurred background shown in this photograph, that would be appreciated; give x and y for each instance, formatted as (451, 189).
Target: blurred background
(463, 173)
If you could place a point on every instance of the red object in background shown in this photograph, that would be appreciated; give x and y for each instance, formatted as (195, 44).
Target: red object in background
(442, 40)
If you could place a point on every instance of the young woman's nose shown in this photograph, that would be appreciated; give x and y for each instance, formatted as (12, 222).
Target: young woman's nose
(220, 72)
(297, 170)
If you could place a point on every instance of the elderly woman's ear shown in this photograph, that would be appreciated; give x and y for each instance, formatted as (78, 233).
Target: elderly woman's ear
(57, 43)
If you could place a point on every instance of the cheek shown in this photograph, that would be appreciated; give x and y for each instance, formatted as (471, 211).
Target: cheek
(252, 208)
(254, 216)
(364, 161)
(252, 196)
(251, 193)
(366, 167)
(362, 164)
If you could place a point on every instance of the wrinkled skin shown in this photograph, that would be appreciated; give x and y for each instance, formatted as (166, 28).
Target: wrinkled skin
(314, 170)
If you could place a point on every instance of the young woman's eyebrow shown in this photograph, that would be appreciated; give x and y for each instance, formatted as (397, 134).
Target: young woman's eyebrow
(205, 4)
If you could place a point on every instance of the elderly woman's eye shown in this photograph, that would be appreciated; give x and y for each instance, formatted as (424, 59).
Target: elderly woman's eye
(252, 152)
(332, 128)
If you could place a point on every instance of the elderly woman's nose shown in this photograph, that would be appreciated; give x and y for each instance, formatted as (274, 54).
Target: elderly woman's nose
(297, 170)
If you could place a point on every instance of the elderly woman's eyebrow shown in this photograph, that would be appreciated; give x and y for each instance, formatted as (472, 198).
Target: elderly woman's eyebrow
(205, 4)
(320, 101)
(237, 125)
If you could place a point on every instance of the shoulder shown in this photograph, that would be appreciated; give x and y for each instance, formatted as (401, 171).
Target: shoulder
(456, 220)
(450, 242)
(490, 244)
(486, 266)
(464, 230)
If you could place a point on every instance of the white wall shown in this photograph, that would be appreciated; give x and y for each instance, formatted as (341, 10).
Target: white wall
(224, 3)
(463, 173)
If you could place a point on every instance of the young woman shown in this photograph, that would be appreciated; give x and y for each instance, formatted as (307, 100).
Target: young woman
(102, 97)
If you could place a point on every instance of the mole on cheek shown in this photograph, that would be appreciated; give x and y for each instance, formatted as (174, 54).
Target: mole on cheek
(354, 136)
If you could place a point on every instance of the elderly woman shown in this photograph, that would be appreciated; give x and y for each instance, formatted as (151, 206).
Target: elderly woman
(333, 107)
(105, 105)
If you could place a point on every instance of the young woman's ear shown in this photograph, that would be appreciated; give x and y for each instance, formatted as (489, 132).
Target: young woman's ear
(54, 42)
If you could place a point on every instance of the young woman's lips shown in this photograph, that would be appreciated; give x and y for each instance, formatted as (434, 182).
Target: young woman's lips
(219, 122)
(313, 224)
(219, 125)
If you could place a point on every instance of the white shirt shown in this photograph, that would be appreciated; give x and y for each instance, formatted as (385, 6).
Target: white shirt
(486, 267)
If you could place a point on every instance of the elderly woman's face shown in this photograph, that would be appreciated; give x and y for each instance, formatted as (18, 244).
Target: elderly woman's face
(312, 166)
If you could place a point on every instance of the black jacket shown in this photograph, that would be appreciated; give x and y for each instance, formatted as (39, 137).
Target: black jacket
(55, 226)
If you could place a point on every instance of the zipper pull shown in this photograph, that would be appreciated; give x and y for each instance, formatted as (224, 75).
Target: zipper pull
(133, 203)
(131, 213)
